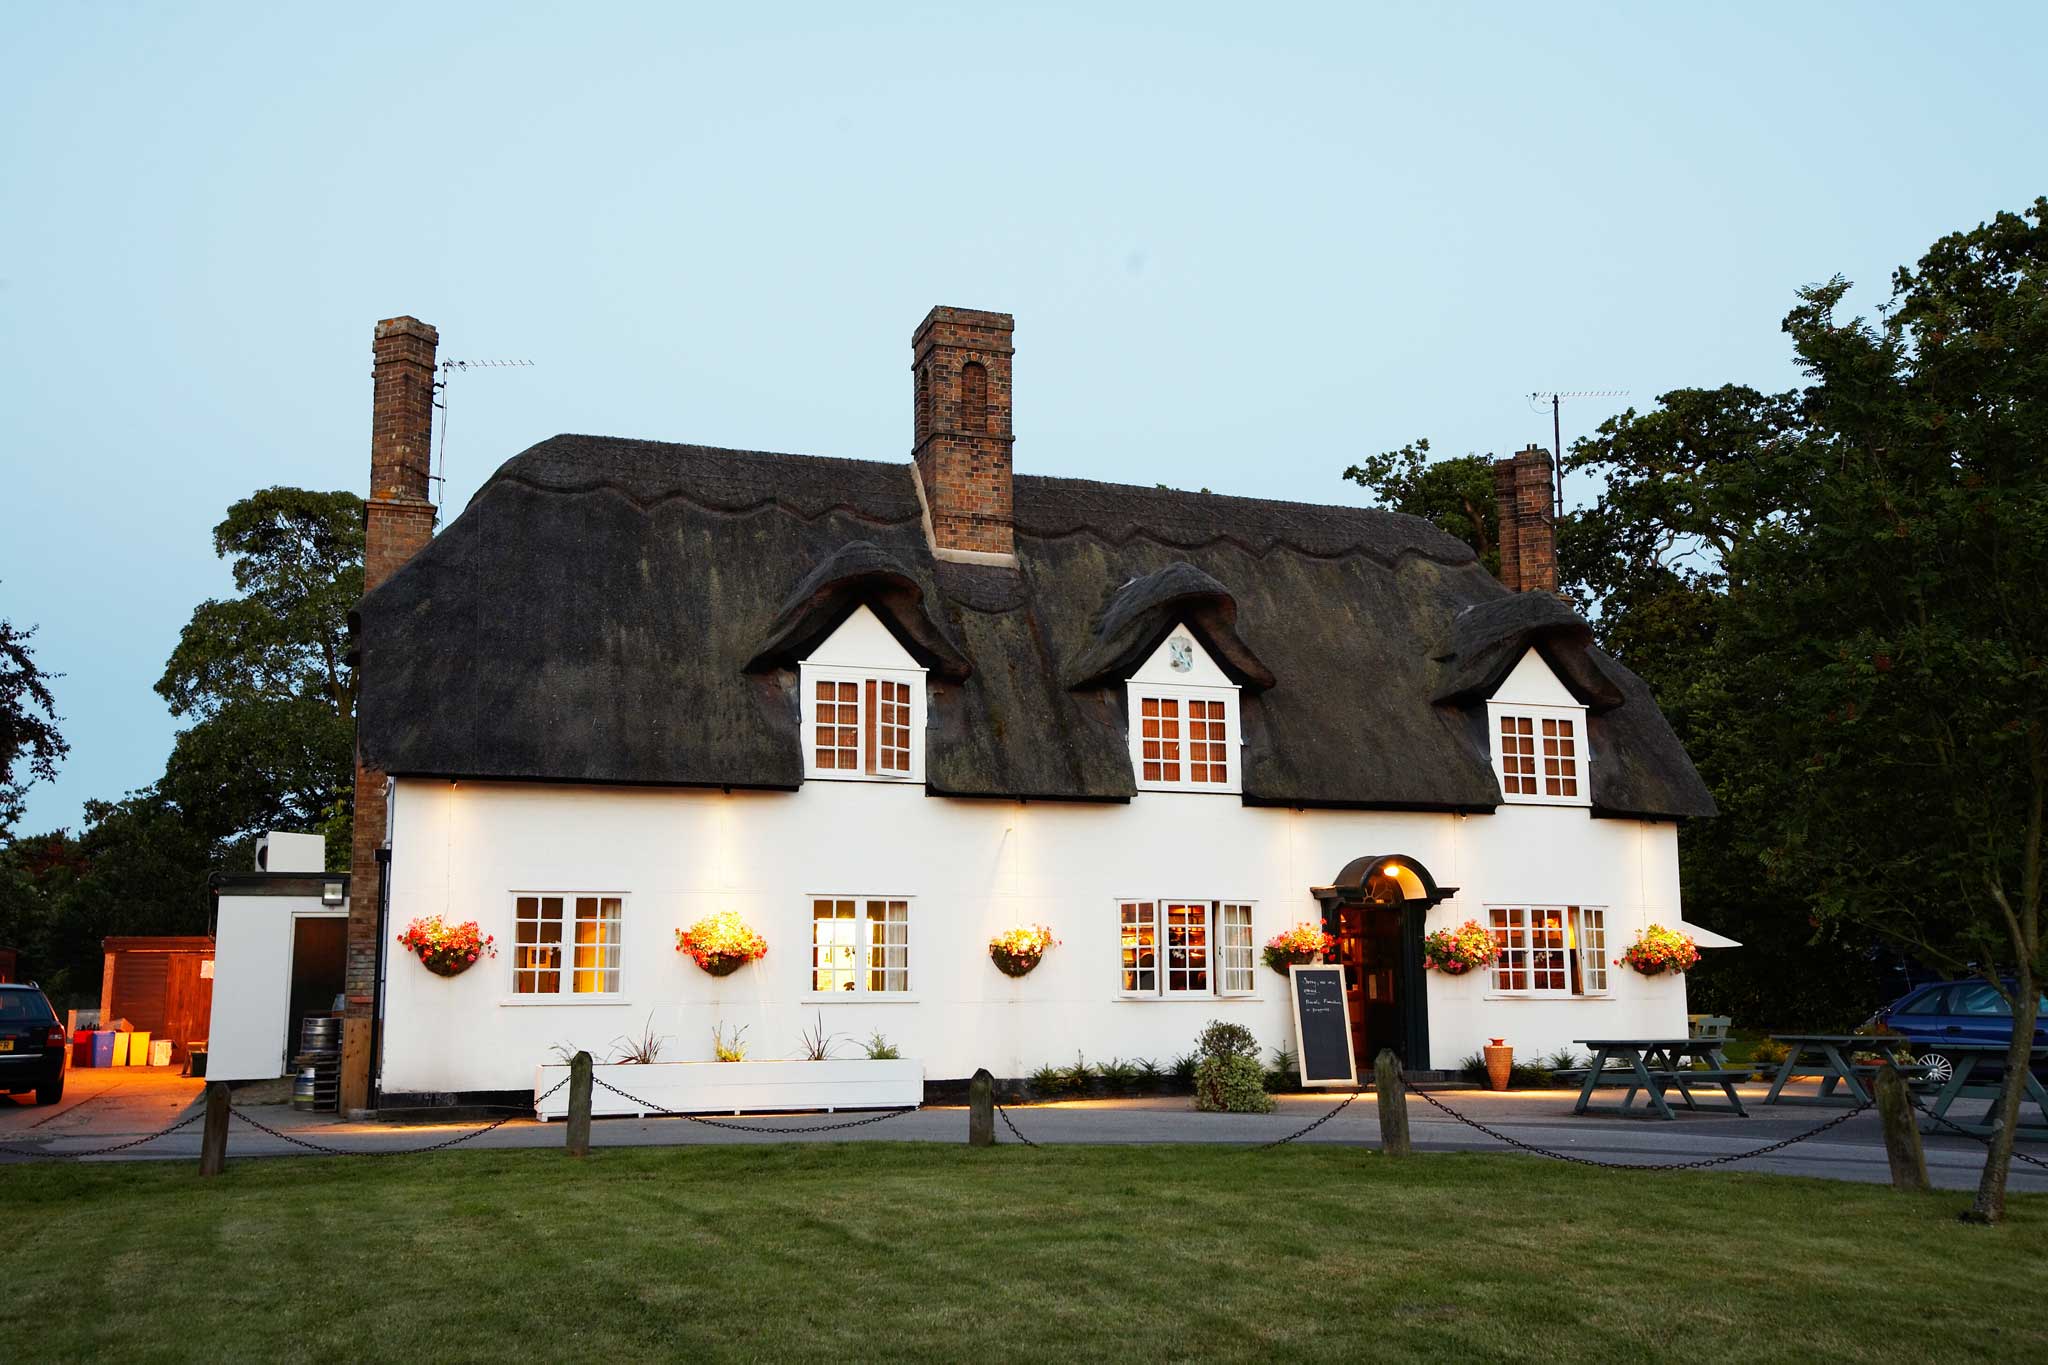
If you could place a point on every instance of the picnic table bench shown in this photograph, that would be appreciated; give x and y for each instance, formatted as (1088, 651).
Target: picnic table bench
(1969, 1058)
(1653, 1067)
(1844, 1082)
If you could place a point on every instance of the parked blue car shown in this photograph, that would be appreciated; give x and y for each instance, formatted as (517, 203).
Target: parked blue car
(1953, 1012)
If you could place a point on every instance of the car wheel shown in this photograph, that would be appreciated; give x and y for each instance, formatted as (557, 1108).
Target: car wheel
(1939, 1068)
(52, 1092)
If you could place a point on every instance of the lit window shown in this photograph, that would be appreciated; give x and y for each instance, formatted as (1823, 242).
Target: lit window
(863, 725)
(1174, 948)
(1549, 950)
(594, 925)
(1140, 947)
(1183, 741)
(860, 945)
(1538, 756)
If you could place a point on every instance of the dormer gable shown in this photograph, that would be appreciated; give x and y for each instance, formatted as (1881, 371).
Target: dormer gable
(1536, 732)
(1185, 730)
(863, 704)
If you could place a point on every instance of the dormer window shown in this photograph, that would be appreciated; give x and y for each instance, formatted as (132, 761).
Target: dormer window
(1538, 731)
(1184, 720)
(863, 706)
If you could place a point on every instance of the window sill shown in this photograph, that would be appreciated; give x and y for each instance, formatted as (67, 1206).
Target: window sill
(891, 780)
(1560, 997)
(1207, 789)
(1561, 803)
(581, 1001)
(858, 998)
(1185, 999)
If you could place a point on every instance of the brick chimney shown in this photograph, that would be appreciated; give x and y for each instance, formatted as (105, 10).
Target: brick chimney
(960, 364)
(398, 523)
(1528, 541)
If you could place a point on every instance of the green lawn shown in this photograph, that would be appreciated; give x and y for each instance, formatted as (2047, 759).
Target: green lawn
(854, 1251)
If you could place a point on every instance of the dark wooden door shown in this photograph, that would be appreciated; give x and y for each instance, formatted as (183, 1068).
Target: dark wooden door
(1369, 946)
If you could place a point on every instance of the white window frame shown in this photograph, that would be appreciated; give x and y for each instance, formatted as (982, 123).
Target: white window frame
(1587, 965)
(1217, 966)
(863, 948)
(1137, 694)
(565, 969)
(1580, 762)
(811, 675)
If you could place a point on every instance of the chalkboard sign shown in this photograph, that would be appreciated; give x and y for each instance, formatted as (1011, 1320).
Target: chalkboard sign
(1322, 1025)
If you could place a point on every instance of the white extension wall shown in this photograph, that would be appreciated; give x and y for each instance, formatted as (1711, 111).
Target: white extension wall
(252, 982)
(973, 868)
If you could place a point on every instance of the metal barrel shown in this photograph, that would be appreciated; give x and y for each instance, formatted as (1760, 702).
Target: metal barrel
(320, 1034)
(304, 1089)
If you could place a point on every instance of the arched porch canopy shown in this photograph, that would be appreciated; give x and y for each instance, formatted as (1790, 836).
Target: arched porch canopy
(1372, 879)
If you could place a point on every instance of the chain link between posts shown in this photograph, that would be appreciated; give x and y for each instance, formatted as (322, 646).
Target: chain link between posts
(751, 1127)
(2017, 1154)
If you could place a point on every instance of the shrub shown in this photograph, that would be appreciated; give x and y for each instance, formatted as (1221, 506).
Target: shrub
(1286, 1072)
(1220, 1040)
(1183, 1069)
(1151, 1075)
(880, 1049)
(817, 1042)
(1119, 1075)
(1049, 1082)
(1080, 1076)
(1564, 1059)
(1231, 1084)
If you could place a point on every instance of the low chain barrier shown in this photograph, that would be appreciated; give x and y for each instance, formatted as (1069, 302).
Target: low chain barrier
(2017, 1154)
(1700, 1165)
(1301, 1132)
(36, 1154)
(645, 1107)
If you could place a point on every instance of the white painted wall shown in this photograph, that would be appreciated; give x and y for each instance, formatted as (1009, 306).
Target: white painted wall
(973, 867)
(252, 982)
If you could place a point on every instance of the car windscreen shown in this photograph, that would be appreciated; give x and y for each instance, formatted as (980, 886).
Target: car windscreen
(1932, 1001)
(25, 1007)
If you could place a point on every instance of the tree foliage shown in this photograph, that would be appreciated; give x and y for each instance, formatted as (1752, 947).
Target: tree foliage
(264, 676)
(1456, 494)
(30, 745)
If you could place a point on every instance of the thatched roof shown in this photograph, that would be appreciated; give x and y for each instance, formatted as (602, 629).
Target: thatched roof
(631, 612)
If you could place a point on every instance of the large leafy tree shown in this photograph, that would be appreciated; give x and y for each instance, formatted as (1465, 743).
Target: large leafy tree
(264, 676)
(1893, 641)
(1456, 494)
(30, 745)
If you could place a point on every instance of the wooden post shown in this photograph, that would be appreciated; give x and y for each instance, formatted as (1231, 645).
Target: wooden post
(1901, 1133)
(1393, 1095)
(579, 1104)
(981, 1110)
(213, 1141)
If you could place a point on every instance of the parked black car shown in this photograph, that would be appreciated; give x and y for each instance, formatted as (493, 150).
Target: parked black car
(1953, 1012)
(31, 1044)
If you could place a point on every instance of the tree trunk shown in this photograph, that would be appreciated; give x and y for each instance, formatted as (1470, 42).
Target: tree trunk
(1989, 1205)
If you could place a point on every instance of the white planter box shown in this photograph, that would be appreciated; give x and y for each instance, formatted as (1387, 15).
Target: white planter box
(737, 1087)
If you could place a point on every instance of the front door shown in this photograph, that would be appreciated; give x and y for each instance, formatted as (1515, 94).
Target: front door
(1369, 946)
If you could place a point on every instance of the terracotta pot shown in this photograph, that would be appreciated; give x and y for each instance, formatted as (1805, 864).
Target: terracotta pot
(1500, 1064)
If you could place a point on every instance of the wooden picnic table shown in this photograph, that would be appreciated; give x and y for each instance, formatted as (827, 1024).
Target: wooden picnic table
(1967, 1058)
(1827, 1055)
(1652, 1067)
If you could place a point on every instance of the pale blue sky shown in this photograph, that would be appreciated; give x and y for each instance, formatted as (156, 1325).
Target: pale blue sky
(1244, 245)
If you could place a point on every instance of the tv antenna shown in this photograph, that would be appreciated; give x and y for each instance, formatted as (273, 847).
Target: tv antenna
(447, 369)
(1556, 400)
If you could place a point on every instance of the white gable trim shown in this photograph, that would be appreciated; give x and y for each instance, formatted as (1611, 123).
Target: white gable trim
(1202, 670)
(862, 641)
(1533, 684)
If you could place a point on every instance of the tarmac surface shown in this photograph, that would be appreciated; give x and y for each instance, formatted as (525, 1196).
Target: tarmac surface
(105, 1107)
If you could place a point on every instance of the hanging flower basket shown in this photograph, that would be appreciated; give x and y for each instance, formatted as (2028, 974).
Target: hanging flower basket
(1657, 950)
(447, 949)
(1304, 943)
(722, 943)
(1455, 952)
(1016, 951)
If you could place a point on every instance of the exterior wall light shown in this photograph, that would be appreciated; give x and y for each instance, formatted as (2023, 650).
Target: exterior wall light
(330, 893)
